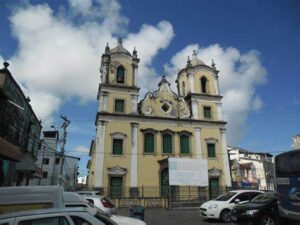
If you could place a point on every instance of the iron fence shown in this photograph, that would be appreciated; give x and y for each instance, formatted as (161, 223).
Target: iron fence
(167, 196)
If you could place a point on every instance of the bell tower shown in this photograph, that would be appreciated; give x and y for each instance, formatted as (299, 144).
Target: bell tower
(198, 84)
(118, 91)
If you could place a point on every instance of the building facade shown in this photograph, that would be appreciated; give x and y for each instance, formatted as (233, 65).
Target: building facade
(135, 139)
(251, 168)
(50, 162)
(19, 133)
(243, 174)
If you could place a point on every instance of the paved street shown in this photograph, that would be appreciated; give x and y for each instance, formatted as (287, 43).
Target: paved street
(172, 217)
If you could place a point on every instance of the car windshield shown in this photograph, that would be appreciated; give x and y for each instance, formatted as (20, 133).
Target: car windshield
(265, 197)
(226, 196)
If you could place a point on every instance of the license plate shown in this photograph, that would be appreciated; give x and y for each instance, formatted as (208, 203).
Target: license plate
(233, 218)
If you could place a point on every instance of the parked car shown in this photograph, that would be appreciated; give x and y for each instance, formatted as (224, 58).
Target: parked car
(88, 192)
(262, 210)
(102, 202)
(72, 199)
(30, 197)
(221, 207)
(56, 216)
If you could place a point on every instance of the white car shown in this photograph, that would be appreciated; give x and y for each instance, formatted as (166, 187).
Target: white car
(56, 216)
(221, 207)
(101, 202)
(72, 199)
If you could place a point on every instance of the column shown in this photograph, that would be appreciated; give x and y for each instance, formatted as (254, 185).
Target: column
(198, 142)
(225, 157)
(191, 82)
(99, 156)
(195, 109)
(134, 101)
(134, 192)
(219, 110)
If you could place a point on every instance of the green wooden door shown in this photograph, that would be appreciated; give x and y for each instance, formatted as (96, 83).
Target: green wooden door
(214, 188)
(116, 187)
(164, 182)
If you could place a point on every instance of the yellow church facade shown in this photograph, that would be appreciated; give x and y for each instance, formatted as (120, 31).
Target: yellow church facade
(135, 139)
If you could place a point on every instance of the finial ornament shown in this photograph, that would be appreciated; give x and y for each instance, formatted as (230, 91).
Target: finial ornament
(213, 65)
(120, 42)
(107, 49)
(189, 62)
(6, 65)
(194, 52)
(134, 53)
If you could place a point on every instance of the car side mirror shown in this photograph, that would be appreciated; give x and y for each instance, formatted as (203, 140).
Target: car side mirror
(237, 201)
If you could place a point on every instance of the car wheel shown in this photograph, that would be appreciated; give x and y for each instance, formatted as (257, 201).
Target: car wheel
(267, 220)
(225, 215)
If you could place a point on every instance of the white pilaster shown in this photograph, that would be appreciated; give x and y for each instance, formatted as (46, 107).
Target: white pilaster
(217, 86)
(225, 157)
(219, 111)
(104, 96)
(134, 101)
(133, 168)
(99, 156)
(195, 109)
(104, 74)
(191, 82)
(198, 142)
(135, 74)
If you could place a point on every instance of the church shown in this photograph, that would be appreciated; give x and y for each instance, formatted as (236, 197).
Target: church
(134, 139)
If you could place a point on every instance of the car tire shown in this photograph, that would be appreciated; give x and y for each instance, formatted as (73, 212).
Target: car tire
(225, 215)
(267, 220)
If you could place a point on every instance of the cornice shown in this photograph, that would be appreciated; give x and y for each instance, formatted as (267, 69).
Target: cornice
(151, 118)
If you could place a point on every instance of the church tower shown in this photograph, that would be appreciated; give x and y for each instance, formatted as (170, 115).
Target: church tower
(117, 96)
(119, 71)
(198, 84)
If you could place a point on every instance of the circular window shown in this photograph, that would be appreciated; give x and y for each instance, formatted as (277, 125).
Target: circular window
(165, 107)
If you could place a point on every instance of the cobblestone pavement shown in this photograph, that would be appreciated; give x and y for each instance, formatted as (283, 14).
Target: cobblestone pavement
(173, 217)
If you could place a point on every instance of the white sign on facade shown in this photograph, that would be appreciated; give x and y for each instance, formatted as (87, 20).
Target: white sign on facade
(188, 172)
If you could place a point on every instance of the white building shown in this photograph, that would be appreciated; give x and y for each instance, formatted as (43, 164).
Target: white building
(296, 141)
(262, 162)
(50, 161)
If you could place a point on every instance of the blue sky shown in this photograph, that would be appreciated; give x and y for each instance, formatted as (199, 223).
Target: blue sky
(256, 46)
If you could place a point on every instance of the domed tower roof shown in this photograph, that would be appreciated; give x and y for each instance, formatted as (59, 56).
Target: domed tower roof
(119, 49)
(195, 61)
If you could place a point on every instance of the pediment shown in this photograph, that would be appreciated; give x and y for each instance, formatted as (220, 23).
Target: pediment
(117, 170)
(214, 172)
(164, 103)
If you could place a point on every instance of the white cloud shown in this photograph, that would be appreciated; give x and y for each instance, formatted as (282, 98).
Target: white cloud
(58, 54)
(58, 58)
(257, 103)
(239, 75)
(81, 149)
(148, 41)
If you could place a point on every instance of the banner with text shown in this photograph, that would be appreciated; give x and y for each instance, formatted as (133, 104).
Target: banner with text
(188, 172)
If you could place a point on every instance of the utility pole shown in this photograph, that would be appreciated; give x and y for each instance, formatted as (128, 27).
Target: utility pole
(63, 142)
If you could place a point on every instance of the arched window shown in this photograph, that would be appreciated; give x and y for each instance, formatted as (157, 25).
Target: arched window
(184, 144)
(149, 143)
(120, 75)
(183, 88)
(167, 143)
(204, 84)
